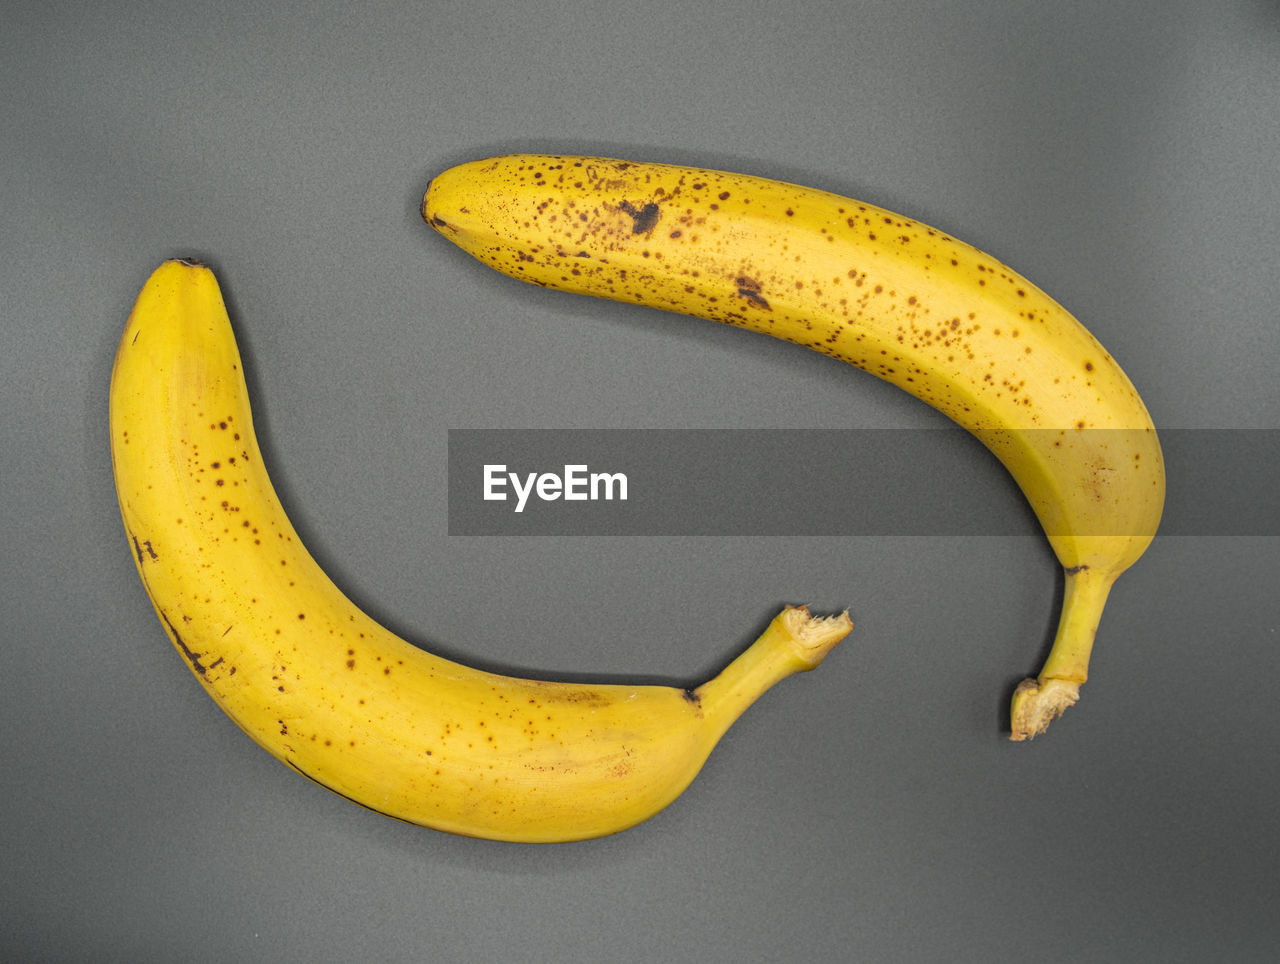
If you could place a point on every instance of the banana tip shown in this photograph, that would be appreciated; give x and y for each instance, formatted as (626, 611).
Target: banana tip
(1036, 704)
(814, 636)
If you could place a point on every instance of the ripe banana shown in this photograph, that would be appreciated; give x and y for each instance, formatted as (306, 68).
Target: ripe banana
(326, 689)
(903, 301)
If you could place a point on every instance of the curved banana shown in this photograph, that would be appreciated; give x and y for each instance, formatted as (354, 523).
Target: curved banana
(937, 317)
(326, 689)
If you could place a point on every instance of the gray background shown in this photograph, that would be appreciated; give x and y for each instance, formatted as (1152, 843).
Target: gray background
(1123, 155)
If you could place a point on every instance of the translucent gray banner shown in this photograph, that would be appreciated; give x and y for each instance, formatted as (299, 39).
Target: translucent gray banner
(726, 482)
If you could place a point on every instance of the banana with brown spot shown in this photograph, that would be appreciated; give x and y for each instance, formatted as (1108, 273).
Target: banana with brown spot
(326, 689)
(904, 301)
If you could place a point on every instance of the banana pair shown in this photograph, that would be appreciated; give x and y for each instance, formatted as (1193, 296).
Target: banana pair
(336, 696)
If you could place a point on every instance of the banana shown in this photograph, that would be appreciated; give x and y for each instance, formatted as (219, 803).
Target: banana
(883, 292)
(326, 689)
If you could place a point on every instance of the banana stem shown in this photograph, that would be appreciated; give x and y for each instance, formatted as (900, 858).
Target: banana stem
(794, 642)
(1038, 702)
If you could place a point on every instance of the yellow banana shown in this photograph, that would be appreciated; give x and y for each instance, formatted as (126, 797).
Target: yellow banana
(905, 302)
(326, 689)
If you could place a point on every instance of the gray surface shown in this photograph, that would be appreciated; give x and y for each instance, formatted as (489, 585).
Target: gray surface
(1125, 156)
